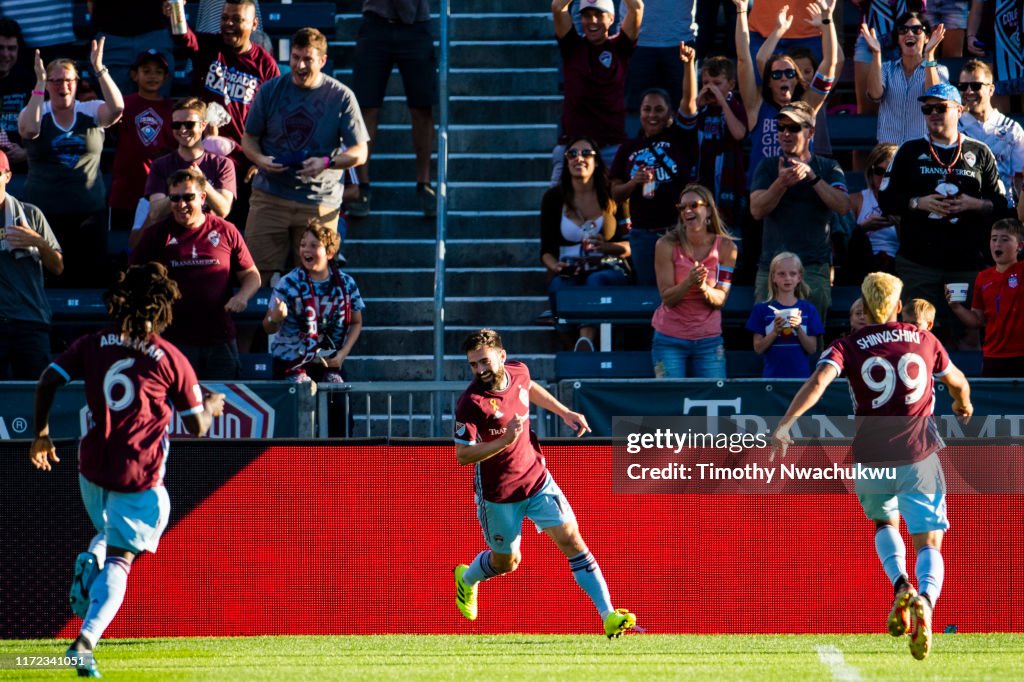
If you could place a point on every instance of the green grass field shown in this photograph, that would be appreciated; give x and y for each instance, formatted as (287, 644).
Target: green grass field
(592, 657)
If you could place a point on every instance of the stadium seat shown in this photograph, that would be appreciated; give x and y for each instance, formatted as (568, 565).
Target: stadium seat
(256, 366)
(606, 365)
(969, 361)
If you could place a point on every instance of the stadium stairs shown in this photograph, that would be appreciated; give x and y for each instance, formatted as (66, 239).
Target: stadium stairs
(504, 106)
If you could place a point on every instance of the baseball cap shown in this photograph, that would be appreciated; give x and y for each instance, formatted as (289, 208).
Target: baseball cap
(801, 115)
(605, 6)
(5, 165)
(942, 91)
(151, 56)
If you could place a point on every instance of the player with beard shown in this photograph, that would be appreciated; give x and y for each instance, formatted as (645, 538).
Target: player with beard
(492, 431)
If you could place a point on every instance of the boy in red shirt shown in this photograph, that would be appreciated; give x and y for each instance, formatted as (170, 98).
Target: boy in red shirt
(998, 303)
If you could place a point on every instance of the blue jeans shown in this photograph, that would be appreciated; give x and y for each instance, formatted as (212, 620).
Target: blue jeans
(680, 358)
(641, 244)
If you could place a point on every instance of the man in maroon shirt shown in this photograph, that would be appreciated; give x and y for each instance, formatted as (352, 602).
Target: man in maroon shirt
(492, 432)
(890, 366)
(594, 68)
(132, 379)
(203, 253)
(188, 121)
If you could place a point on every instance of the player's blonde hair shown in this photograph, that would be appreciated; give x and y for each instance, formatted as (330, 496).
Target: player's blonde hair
(921, 311)
(881, 292)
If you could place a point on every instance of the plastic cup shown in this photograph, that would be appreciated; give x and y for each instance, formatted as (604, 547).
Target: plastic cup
(957, 292)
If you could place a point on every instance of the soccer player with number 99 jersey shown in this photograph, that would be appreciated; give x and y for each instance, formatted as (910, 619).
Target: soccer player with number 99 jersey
(133, 378)
(890, 366)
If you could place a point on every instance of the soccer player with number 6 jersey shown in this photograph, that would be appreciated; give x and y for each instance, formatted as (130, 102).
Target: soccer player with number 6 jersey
(133, 378)
(890, 366)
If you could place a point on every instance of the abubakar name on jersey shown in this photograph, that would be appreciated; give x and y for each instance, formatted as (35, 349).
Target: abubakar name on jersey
(143, 346)
(889, 336)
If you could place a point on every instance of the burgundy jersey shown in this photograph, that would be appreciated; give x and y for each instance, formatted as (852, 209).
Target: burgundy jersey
(203, 262)
(481, 416)
(890, 368)
(130, 388)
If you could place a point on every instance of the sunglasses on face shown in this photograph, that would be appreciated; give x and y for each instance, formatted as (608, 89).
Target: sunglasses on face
(779, 74)
(187, 125)
(60, 81)
(927, 109)
(187, 197)
(878, 170)
(975, 87)
(585, 153)
(691, 205)
(790, 127)
(916, 30)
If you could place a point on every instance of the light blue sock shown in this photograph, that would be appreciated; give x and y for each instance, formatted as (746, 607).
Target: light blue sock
(105, 597)
(588, 576)
(931, 570)
(480, 569)
(892, 552)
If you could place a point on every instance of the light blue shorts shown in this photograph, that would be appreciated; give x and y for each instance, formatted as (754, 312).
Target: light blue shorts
(132, 521)
(918, 493)
(502, 523)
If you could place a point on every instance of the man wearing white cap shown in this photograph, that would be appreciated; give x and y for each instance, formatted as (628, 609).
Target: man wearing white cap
(946, 191)
(594, 68)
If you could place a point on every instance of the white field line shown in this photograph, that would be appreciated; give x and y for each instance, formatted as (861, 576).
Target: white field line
(832, 658)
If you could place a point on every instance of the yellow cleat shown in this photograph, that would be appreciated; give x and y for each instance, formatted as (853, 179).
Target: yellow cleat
(617, 622)
(899, 615)
(921, 634)
(465, 595)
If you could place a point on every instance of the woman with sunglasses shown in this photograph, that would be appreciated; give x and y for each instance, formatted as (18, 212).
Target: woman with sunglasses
(874, 242)
(694, 263)
(896, 84)
(64, 139)
(583, 230)
(781, 81)
(649, 171)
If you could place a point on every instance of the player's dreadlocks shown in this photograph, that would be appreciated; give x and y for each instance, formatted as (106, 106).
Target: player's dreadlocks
(142, 299)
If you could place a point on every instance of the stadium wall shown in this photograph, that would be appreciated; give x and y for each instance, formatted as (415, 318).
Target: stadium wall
(295, 537)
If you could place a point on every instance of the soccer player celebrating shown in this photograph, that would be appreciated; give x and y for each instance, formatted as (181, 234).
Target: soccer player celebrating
(132, 378)
(492, 431)
(890, 366)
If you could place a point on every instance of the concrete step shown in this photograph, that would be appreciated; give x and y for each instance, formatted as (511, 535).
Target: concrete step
(460, 253)
(468, 109)
(421, 367)
(406, 282)
(473, 81)
(495, 26)
(476, 53)
(404, 340)
(385, 223)
(476, 138)
(463, 196)
(515, 310)
(481, 167)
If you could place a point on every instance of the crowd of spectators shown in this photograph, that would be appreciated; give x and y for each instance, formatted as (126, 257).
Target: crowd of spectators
(751, 131)
(731, 166)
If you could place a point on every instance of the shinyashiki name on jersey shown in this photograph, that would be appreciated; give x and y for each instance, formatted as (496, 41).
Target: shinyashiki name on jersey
(889, 336)
(141, 346)
(708, 471)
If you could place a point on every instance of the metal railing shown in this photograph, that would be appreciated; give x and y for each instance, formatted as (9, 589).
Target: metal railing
(388, 409)
(442, 212)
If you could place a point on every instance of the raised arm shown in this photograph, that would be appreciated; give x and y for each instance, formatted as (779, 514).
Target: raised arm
(782, 24)
(820, 15)
(30, 118)
(749, 93)
(563, 20)
(688, 102)
(113, 103)
(932, 76)
(633, 20)
(874, 83)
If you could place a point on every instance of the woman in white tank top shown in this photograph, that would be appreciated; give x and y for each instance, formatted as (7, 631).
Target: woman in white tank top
(874, 242)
